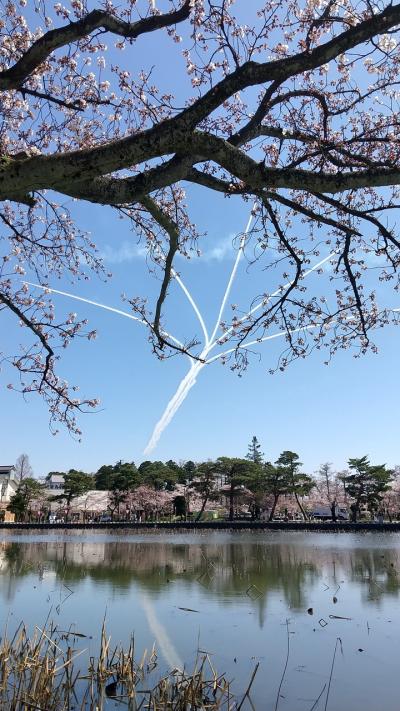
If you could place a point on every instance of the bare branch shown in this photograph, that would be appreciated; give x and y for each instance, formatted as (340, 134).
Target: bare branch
(172, 230)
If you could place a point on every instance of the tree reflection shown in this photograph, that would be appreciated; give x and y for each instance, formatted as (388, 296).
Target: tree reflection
(231, 571)
(377, 572)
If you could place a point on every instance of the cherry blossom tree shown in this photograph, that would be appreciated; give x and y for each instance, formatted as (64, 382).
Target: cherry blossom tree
(291, 106)
(148, 500)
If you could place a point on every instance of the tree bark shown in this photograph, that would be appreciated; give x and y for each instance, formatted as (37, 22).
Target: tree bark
(299, 504)
(271, 516)
(231, 508)
(203, 506)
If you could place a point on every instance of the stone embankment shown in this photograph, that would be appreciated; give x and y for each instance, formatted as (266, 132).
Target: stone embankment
(211, 525)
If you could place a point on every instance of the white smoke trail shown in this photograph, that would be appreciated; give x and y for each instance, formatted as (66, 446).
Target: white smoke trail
(86, 301)
(174, 404)
(188, 296)
(105, 307)
(247, 344)
(231, 278)
(191, 376)
(197, 365)
(194, 306)
(264, 302)
(164, 643)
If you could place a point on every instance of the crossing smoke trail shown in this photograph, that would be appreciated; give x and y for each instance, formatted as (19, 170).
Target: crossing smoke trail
(101, 306)
(210, 342)
(190, 378)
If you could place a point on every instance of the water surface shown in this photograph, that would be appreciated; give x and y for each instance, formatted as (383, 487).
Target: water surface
(252, 595)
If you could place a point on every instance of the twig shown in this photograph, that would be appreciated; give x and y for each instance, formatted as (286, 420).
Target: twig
(331, 674)
(285, 667)
(249, 686)
(315, 704)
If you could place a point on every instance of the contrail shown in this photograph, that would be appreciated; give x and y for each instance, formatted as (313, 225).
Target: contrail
(197, 365)
(191, 376)
(164, 643)
(105, 307)
(174, 404)
(86, 301)
(188, 296)
(263, 303)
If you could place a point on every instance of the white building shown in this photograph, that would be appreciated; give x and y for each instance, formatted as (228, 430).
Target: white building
(54, 482)
(8, 484)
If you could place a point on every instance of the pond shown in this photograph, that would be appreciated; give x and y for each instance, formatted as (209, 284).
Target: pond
(287, 600)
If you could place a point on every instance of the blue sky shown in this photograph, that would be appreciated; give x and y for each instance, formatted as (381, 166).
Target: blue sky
(325, 413)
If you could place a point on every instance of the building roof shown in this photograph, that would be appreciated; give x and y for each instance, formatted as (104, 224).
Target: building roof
(7, 471)
(56, 479)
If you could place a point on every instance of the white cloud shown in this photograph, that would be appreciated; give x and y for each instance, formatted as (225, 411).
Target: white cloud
(224, 249)
(128, 251)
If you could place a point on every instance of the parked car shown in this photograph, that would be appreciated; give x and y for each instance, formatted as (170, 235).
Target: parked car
(324, 513)
(105, 518)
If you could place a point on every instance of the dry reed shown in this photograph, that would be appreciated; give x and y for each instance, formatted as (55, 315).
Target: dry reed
(42, 672)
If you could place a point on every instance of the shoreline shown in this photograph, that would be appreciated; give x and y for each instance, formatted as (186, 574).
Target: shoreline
(211, 525)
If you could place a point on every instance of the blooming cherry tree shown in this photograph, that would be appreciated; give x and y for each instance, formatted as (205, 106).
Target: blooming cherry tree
(290, 106)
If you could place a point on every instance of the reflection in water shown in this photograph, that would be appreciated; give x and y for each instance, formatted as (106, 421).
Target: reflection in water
(245, 588)
(377, 572)
(164, 643)
(230, 570)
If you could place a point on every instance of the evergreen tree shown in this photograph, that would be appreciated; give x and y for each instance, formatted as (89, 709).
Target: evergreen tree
(205, 484)
(76, 483)
(366, 484)
(27, 491)
(254, 453)
(238, 473)
(125, 478)
(178, 470)
(104, 477)
(157, 475)
(278, 482)
(189, 469)
(300, 484)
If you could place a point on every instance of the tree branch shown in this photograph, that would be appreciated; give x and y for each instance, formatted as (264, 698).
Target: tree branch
(172, 230)
(14, 77)
(37, 332)
(62, 171)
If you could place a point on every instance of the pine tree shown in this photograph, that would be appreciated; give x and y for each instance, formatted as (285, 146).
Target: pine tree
(254, 451)
(301, 484)
(366, 484)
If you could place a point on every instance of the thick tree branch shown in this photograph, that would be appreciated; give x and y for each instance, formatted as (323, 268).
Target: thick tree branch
(60, 171)
(346, 260)
(14, 77)
(171, 228)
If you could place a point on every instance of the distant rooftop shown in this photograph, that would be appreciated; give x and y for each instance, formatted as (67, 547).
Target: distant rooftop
(7, 470)
(56, 479)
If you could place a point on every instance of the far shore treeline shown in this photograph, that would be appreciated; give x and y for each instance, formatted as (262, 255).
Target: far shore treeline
(228, 487)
